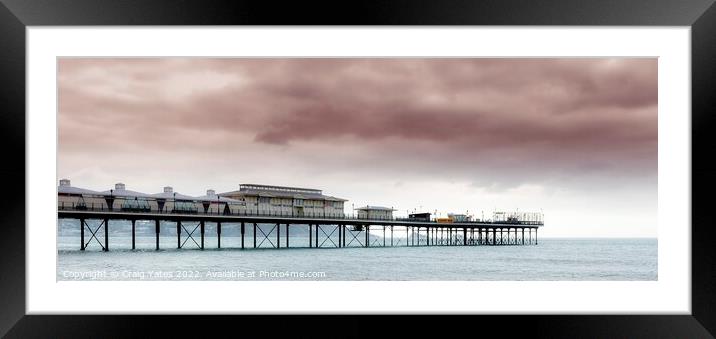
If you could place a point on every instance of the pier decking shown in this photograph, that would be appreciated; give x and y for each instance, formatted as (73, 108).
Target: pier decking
(320, 229)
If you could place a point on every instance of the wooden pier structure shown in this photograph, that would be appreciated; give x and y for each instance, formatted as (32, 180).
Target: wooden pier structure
(351, 231)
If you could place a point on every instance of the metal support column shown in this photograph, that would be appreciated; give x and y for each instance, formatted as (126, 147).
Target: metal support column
(156, 231)
(383, 235)
(242, 235)
(464, 236)
(133, 233)
(254, 235)
(535, 236)
(287, 236)
(317, 226)
(178, 234)
(278, 235)
(367, 235)
(201, 223)
(391, 235)
(82, 234)
(218, 235)
(106, 234)
(310, 235)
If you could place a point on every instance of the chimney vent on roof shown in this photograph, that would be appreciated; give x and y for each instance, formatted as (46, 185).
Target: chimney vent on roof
(168, 189)
(64, 182)
(119, 186)
(210, 192)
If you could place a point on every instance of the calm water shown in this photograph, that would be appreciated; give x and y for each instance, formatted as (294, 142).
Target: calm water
(552, 259)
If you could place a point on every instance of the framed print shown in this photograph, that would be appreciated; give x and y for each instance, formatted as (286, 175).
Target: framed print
(493, 163)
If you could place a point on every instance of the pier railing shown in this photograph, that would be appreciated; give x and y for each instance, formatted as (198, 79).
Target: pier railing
(63, 206)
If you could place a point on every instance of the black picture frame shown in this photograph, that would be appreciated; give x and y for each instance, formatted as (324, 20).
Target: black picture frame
(16, 15)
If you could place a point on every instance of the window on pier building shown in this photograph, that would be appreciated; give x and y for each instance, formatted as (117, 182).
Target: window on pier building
(135, 205)
(298, 202)
(264, 200)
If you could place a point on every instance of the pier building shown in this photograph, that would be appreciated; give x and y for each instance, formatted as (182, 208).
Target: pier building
(327, 225)
(375, 212)
(290, 201)
(213, 203)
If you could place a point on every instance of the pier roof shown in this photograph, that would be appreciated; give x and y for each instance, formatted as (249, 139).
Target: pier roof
(66, 188)
(374, 208)
(213, 197)
(281, 192)
(120, 191)
(71, 190)
(174, 195)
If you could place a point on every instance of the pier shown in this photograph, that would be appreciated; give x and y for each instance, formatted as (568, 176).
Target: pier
(352, 231)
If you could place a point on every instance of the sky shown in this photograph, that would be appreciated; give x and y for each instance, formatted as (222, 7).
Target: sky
(573, 138)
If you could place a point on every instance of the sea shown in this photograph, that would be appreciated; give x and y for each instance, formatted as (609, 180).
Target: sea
(552, 259)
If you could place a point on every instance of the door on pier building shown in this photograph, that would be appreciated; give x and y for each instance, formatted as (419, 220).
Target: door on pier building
(298, 211)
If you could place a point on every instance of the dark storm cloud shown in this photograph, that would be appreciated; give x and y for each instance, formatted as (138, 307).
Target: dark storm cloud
(542, 115)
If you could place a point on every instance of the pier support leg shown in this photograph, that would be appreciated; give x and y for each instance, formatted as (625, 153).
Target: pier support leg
(218, 235)
(367, 235)
(106, 235)
(464, 236)
(178, 234)
(287, 236)
(310, 235)
(317, 226)
(254, 235)
(278, 235)
(391, 235)
(383, 235)
(535, 236)
(407, 235)
(156, 232)
(133, 233)
(523, 236)
(242, 235)
(201, 226)
(344, 235)
(82, 234)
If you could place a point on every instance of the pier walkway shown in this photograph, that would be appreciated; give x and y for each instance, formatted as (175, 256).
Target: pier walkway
(351, 231)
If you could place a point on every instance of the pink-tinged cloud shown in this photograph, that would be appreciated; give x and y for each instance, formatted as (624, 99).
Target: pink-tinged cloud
(484, 120)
